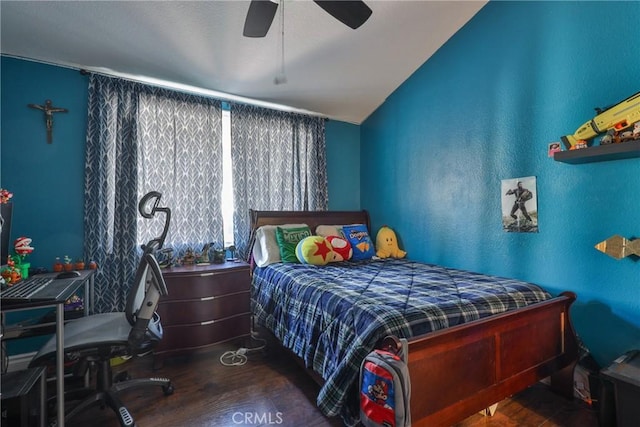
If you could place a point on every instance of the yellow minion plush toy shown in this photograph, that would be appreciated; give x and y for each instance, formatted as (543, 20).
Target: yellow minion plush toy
(387, 244)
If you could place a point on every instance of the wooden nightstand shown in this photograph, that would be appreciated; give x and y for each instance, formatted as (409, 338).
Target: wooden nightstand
(206, 305)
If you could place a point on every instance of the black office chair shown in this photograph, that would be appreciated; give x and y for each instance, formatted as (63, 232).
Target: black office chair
(94, 340)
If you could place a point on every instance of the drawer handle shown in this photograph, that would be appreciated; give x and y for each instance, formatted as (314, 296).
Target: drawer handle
(208, 322)
(206, 274)
(206, 298)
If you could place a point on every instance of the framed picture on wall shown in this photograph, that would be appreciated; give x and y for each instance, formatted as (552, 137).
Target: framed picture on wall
(519, 205)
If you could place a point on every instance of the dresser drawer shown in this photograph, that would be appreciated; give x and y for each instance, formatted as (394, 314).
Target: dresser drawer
(201, 310)
(201, 335)
(206, 284)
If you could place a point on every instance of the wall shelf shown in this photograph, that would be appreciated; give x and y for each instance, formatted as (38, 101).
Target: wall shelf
(600, 153)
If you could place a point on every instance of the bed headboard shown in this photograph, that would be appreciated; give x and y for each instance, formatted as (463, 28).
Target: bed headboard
(311, 218)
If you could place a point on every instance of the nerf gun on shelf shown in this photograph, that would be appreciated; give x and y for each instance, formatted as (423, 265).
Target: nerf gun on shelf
(616, 118)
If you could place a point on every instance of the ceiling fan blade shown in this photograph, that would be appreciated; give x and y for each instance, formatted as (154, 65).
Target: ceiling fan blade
(351, 13)
(259, 18)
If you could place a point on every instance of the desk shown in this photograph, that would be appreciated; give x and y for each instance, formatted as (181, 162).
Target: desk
(86, 278)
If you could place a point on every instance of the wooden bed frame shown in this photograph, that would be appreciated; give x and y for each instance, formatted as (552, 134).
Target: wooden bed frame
(464, 369)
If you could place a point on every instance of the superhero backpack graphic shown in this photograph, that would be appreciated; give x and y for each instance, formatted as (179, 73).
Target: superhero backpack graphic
(385, 389)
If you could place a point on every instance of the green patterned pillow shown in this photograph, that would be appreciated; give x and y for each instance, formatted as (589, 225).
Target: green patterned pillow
(287, 239)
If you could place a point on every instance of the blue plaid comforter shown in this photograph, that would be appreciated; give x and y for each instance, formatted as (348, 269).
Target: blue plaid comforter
(332, 316)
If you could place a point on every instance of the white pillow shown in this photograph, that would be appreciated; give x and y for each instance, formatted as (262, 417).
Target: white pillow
(265, 249)
(329, 230)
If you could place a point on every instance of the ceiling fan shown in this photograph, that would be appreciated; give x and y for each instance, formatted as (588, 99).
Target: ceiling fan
(261, 14)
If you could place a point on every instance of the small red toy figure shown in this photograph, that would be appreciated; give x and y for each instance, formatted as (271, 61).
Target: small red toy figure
(23, 246)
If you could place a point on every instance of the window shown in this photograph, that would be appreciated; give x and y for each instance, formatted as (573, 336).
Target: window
(227, 179)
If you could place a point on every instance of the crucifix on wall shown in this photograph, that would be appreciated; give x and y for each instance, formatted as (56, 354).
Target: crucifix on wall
(48, 110)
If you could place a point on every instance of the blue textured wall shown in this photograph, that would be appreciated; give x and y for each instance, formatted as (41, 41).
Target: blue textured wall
(482, 109)
(46, 179)
(343, 165)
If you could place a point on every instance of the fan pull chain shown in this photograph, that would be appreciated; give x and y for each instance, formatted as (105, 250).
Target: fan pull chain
(281, 77)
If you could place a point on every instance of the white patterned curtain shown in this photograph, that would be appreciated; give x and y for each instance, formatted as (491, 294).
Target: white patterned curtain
(279, 163)
(180, 155)
(141, 138)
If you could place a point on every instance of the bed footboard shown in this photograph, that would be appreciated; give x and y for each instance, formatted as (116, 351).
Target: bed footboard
(461, 370)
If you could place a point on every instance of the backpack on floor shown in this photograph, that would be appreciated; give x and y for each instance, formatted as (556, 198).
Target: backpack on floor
(385, 389)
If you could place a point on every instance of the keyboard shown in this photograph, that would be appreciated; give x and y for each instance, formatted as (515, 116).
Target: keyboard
(37, 288)
(26, 288)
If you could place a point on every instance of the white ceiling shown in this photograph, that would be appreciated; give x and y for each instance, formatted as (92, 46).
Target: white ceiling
(331, 70)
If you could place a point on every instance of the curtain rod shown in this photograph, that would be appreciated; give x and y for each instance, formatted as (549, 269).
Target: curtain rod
(200, 91)
(176, 86)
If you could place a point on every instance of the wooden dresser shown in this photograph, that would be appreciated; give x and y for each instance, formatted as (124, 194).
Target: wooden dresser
(206, 305)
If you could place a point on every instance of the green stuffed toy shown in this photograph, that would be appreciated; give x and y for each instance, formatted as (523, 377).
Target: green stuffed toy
(387, 244)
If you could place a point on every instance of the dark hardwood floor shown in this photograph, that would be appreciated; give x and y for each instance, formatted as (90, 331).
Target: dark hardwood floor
(271, 389)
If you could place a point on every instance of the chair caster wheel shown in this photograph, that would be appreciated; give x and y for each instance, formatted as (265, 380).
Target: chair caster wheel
(168, 390)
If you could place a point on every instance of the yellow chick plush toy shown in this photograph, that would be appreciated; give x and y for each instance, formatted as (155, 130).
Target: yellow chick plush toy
(387, 244)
